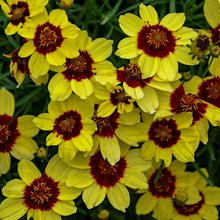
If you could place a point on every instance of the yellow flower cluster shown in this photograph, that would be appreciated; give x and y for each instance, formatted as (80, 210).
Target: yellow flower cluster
(134, 127)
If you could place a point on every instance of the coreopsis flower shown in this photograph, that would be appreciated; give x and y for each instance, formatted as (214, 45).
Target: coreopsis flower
(41, 196)
(163, 186)
(15, 133)
(169, 136)
(19, 69)
(160, 44)
(18, 11)
(98, 178)
(79, 72)
(211, 12)
(114, 98)
(50, 40)
(202, 209)
(185, 98)
(71, 124)
(115, 128)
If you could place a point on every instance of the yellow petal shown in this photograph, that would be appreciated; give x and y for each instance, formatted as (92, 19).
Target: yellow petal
(12, 29)
(164, 154)
(7, 102)
(14, 189)
(148, 14)
(69, 49)
(68, 193)
(183, 120)
(105, 109)
(83, 88)
(148, 150)
(135, 93)
(5, 162)
(64, 208)
(208, 212)
(202, 127)
(58, 17)
(212, 195)
(28, 31)
(130, 118)
(53, 139)
(130, 24)
(67, 150)
(185, 36)
(214, 66)
(27, 49)
(70, 31)
(119, 197)
(189, 134)
(173, 21)
(44, 121)
(56, 57)
(83, 142)
(83, 40)
(40, 18)
(28, 171)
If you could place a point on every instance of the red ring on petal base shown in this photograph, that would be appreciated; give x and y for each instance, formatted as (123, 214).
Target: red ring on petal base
(8, 133)
(47, 38)
(164, 133)
(165, 186)
(216, 35)
(79, 68)
(106, 125)
(132, 76)
(42, 194)
(209, 91)
(68, 125)
(104, 173)
(19, 11)
(188, 210)
(156, 41)
(182, 102)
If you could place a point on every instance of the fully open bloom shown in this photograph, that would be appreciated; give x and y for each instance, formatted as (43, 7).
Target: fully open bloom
(161, 45)
(71, 124)
(211, 12)
(79, 72)
(163, 184)
(15, 133)
(40, 196)
(50, 40)
(169, 136)
(18, 11)
(98, 178)
(199, 210)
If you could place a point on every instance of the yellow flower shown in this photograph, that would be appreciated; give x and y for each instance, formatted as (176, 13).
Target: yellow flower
(18, 11)
(40, 196)
(169, 136)
(161, 45)
(50, 40)
(199, 210)
(78, 73)
(66, 4)
(99, 179)
(163, 184)
(71, 125)
(211, 12)
(19, 69)
(15, 133)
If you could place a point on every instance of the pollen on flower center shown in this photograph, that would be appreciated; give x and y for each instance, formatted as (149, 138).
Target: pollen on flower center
(103, 172)
(164, 133)
(47, 38)
(42, 193)
(119, 96)
(4, 133)
(68, 125)
(188, 102)
(165, 186)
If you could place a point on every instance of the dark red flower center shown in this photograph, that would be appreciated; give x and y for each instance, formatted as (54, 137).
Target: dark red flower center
(79, 68)
(202, 42)
(182, 102)
(68, 125)
(209, 91)
(216, 35)
(8, 133)
(165, 186)
(104, 173)
(164, 133)
(42, 194)
(19, 11)
(188, 210)
(106, 125)
(132, 76)
(47, 38)
(156, 41)
(119, 96)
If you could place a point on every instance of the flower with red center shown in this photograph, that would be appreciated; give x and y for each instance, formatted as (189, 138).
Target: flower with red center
(19, 69)
(71, 124)
(50, 41)
(160, 44)
(211, 12)
(163, 184)
(201, 208)
(115, 128)
(40, 196)
(169, 136)
(18, 11)
(79, 72)
(98, 178)
(15, 133)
